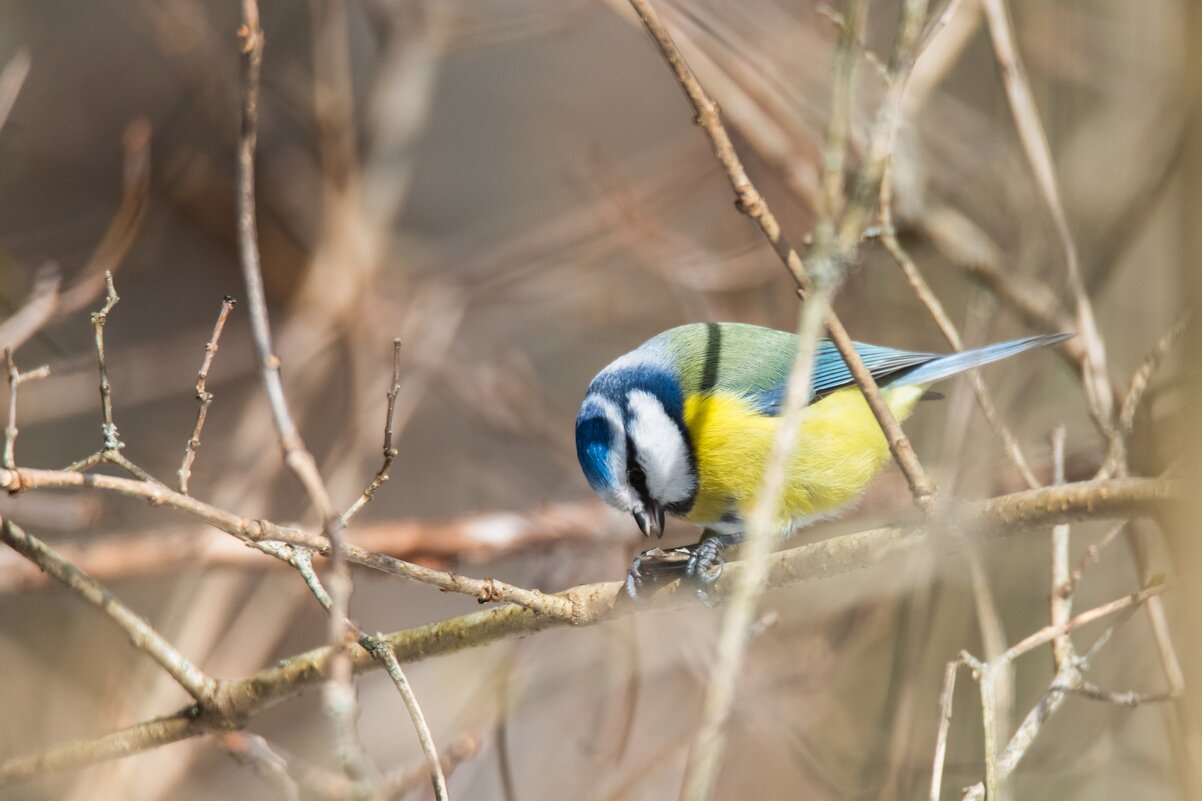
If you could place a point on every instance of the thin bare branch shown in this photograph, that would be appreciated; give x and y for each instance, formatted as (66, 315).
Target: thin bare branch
(1142, 377)
(383, 652)
(928, 298)
(15, 379)
(253, 750)
(112, 442)
(1049, 633)
(1140, 380)
(123, 228)
(1039, 156)
(339, 692)
(1061, 603)
(390, 453)
(764, 529)
(1125, 698)
(140, 633)
(37, 309)
(203, 396)
(1090, 558)
(484, 590)
(945, 724)
(471, 539)
(302, 560)
(12, 78)
(843, 86)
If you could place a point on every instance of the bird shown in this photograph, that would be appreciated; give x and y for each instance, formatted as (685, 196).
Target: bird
(683, 426)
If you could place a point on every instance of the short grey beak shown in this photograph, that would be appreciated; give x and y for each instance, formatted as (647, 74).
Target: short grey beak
(644, 522)
(651, 523)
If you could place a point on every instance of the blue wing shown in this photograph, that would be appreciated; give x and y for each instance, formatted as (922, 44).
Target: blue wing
(831, 373)
(899, 367)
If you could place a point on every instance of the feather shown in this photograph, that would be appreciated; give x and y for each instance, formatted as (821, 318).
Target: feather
(755, 362)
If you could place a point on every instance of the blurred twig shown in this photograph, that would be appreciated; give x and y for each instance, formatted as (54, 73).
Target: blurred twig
(1140, 380)
(37, 309)
(1039, 155)
(838, 236)
(340, 702)
(253, 750)
(124, 227)
(12, 78)
(928, 298)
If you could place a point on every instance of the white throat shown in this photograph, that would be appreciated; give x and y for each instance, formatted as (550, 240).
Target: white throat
(660, 448)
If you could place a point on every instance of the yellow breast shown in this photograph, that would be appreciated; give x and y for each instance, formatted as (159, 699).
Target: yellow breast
(839, 450)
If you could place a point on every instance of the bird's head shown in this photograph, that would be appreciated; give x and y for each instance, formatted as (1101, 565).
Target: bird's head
(632, 442)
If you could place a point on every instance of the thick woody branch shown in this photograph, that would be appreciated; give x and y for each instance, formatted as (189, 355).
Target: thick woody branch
(597, 603)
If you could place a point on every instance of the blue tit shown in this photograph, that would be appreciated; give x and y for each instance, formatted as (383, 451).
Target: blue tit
(683, 425)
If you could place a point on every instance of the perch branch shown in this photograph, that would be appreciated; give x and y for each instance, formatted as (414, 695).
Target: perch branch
(596, 603)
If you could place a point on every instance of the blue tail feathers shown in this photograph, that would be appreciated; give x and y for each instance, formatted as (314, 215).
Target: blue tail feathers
(953, 363)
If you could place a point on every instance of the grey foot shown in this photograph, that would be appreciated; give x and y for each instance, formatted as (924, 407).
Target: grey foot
(700, 564)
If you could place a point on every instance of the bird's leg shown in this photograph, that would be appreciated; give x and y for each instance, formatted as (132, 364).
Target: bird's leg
(705, 563)
(654, 566)
(700, 563)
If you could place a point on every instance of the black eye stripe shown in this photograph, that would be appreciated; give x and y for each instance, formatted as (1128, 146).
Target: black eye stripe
(634, 471)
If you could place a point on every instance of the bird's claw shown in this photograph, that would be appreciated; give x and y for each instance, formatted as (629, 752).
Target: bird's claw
(700, 564)
(704, 568)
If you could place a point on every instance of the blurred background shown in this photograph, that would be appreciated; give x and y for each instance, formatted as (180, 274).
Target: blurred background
(516, 189)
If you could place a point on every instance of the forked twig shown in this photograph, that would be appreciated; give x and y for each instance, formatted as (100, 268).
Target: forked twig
(15, 379)
(382, 652)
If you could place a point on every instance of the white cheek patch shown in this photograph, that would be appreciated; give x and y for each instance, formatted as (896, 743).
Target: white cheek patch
(662, 451)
